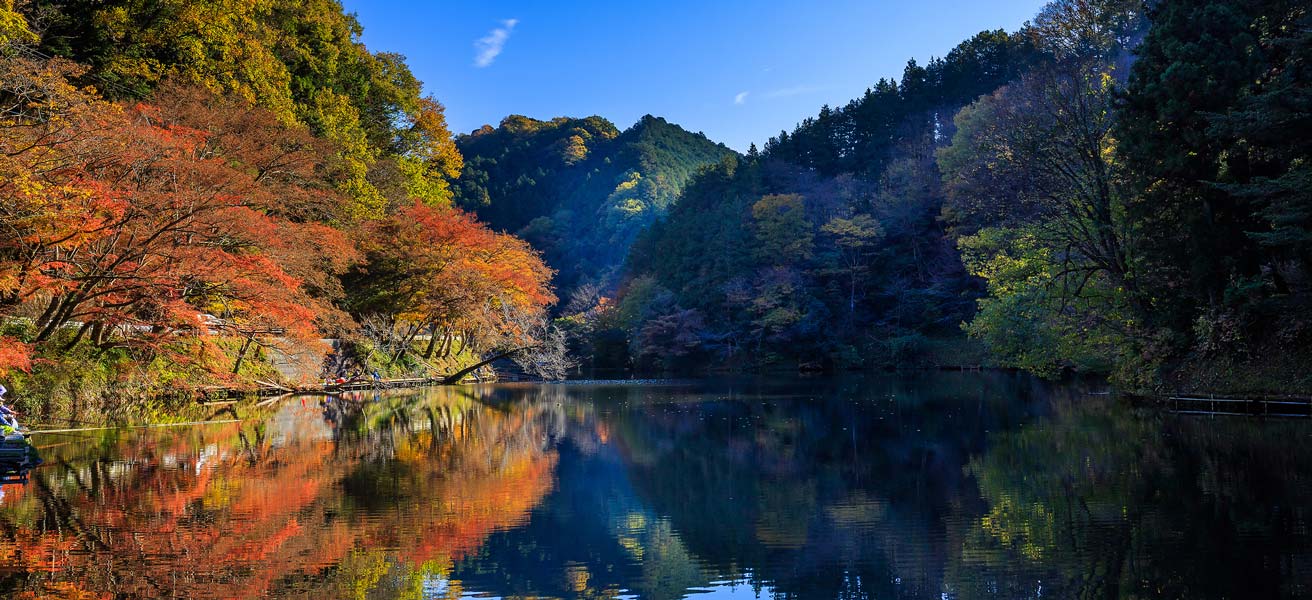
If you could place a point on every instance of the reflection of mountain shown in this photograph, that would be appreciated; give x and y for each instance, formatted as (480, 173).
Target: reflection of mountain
(958, 486)
(964, 486)
(837, 488)
(807, 489)
(247, 510)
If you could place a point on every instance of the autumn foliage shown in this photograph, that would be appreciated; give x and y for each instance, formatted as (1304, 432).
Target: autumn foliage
(126, 224)
(195, 228)
(441, 271)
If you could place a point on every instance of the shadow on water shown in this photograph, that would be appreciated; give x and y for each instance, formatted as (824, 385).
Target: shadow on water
(982, 485)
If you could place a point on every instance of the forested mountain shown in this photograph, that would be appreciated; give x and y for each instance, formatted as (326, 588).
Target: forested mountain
(1113, 187)
(579, 189)
(827, 248)
(899, 119)
(765, 261)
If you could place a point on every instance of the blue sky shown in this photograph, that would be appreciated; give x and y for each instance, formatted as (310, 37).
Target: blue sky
(738, 71)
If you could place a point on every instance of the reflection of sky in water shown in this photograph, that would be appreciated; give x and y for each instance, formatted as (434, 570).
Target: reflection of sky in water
(716, 590)
(942, 486)
(735, 590)
(299, 419)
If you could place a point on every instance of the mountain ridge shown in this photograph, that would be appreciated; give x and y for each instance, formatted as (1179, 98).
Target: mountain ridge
(580, 189)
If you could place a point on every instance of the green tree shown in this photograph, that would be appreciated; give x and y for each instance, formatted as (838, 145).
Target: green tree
(854, 238)
(1038, 200)
(13, 27)
(783, 234)
(1207, 123)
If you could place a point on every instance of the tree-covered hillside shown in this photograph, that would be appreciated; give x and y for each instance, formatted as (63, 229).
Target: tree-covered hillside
(763, 261)
(1118, 186)
(896, 119)
(1115, 187)
(826, 249)
(579, 189)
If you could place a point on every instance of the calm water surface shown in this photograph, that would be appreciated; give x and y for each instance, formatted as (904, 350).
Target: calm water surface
(936, 486)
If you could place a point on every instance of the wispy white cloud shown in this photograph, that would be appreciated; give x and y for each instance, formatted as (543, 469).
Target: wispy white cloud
(740, 98)
(488, 47)
(793, 91)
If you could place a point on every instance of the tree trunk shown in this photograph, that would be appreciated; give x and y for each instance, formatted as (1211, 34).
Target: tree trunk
(432, 344)
(67, 305)
(76, 338)
(241, 354)
(49, 313)
(406, 341)
(851, 296)
(453, 379)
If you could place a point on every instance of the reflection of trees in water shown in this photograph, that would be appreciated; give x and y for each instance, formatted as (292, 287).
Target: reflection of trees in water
(837, 487)
(856, 488)
(591, 537)
(815, 489)
(223, 511)
(870, 488)
(1101, 501)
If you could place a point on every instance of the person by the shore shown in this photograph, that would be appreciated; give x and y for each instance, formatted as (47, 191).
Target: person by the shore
(8, 418)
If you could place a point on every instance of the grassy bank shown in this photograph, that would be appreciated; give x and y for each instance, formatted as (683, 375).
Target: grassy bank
(162, 383)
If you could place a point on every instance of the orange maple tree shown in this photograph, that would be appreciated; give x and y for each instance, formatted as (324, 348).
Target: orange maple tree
(166, 227)
(136, 221)
(440, 270)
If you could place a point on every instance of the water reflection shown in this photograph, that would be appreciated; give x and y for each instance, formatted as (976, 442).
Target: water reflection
(936, 486)
(318, 500)
(1105, 502)
(819, 488)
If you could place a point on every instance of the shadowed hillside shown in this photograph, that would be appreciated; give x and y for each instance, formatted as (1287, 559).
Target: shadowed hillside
(580, 190)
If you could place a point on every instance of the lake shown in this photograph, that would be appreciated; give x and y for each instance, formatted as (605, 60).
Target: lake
(935, 485)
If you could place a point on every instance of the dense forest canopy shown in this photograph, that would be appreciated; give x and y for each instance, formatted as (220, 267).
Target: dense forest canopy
(827, 248)
(301, 61)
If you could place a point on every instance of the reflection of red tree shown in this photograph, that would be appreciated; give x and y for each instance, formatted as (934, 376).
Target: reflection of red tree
(261, 518)
(475, 507)
(63, 591)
